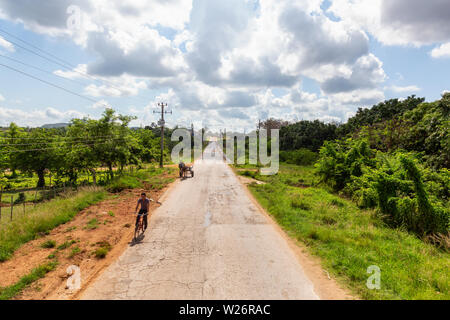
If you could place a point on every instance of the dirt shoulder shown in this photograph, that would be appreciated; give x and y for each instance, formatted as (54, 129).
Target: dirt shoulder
(109, 223)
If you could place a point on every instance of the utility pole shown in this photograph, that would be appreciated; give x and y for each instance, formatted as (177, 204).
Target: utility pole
(162, 123)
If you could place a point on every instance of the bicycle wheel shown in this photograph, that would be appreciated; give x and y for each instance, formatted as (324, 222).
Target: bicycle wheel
(137, 230)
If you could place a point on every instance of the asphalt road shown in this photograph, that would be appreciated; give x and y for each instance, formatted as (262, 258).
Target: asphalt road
(207, 241)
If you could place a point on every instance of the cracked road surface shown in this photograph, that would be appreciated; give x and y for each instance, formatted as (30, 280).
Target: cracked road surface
(207, 241)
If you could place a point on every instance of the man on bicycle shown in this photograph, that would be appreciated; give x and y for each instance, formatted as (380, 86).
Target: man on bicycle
(144, 202)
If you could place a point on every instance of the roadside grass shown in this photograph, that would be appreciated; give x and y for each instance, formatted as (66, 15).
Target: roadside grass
(11, 291)
(66, 245)
(289, 174)
(151, 177)
(48, 244)
(102, 251)
(349, 240)
(74, 252)
(43, 218)
(92, 224)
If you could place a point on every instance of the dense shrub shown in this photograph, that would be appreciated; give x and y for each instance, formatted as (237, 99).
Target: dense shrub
(340, 162)
(405, 192)
(302, 157)
(121, 183)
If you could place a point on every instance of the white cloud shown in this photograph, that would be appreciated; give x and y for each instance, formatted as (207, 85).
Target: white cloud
(442, 51)
(79, 72)
(405, 89)
(36, 117)
(120, 87)
(2, 98)
(6, 44)
(399, 22)
(222, 60)
(102, 104)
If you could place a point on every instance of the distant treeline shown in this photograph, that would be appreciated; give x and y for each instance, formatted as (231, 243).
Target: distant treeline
(83, 146)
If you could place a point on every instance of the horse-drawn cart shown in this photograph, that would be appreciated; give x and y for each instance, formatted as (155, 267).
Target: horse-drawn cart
(184, 169)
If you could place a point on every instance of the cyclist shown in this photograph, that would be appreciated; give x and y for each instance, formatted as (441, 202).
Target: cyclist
(144, 202)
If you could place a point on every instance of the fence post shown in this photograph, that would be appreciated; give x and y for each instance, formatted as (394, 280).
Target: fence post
(64, 184)
(1, 192)
(35, 197)
(12, 207)
(24, 207)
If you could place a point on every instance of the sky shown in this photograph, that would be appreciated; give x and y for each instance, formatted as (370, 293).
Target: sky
(220, 64)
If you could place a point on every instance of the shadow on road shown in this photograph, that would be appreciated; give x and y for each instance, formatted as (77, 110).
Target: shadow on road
(137, 240)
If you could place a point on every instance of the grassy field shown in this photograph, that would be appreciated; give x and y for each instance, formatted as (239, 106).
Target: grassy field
(349, 240)
(152, 178)
(25, 182)
(43, 218)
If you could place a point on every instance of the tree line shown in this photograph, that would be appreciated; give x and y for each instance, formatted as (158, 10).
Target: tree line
(393, 157)
(84, 146)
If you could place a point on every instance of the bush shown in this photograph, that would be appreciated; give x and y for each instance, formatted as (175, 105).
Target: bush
(103, 250)
(299, 203)
(74, 252)
(48, 244)
(122, 183)
(341, 161)
(405, 193)
(398, 190)
(20, 199)
(101, 253)
(301, 157)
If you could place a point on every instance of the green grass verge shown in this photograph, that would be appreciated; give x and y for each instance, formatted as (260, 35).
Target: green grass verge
(43, 219)
(11, 291)
(349, 240)
(150, 177)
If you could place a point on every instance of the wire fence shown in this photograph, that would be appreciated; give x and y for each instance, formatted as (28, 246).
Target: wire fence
(19, 201)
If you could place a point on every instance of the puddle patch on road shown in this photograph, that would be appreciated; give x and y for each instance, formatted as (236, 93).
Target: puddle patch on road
(207, 222)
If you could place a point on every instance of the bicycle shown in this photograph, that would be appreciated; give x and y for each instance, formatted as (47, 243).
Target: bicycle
(139, 229)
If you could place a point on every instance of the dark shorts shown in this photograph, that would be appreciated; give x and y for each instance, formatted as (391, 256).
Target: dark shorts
(142, 211)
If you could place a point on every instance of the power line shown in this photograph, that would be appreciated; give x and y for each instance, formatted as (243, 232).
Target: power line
(40, 69)
(64, 64)
(33, 46)
(52, 84)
